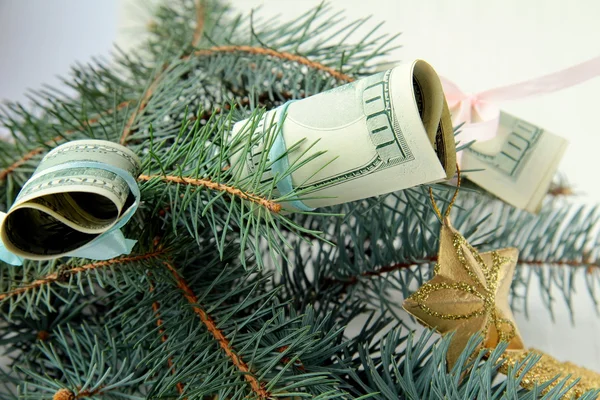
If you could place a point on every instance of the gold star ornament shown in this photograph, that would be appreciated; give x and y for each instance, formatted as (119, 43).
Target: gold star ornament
(468, 294)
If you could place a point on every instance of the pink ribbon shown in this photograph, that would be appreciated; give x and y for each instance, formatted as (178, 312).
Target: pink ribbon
(480, 112)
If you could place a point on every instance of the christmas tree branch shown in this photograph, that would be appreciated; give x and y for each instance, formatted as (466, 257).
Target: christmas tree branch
(269, 204)
(352, 280)
(589, 265)
(66, 394)
(38, 150)
(285, 56)
(64, 369)
(198, 31)
(58, 276)
(200, 17)
(278, 42)
(143, 102)
(281, 55)
(210, 324)
(163, 338)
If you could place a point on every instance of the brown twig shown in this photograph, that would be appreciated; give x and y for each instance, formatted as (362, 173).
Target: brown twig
(224, 343)
(163, 338)
(565, 191)
(145, 99)
(352, 280)
(206, 52)
(282, 55)
(66, 394)
(29, 155)
(588, 264)
(199, 30)
(269, 204)
(89, 393)
(285, 360)
(398, 266)
(51, 278)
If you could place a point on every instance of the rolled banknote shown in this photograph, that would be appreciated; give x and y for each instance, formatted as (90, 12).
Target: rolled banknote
(386, 132)
(518, 164)
(78, 197)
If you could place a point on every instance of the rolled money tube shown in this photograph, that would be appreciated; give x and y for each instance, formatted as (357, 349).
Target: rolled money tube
(387, 132)
(81, 191)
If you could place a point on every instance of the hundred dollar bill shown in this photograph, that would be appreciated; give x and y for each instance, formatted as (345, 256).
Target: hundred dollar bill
(386, 132)
(79, 191)
(518, 164)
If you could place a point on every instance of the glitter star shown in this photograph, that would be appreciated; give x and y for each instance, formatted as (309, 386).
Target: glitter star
(467, 295)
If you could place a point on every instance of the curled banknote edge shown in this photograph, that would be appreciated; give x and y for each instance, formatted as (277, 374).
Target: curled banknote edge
(518, 164)
(74, 205)
(386, 132)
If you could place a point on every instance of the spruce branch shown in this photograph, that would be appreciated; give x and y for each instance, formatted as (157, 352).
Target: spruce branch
(58, 139)
(142, 104)
(268, 204)
(283, 56)
(211, 326)
(279, 45)
(31, 293)
(78, 361)
(387, 245)
(163, 336)
(407, 365)
(204, 318)
(258, 51)
(200, 17)
(66, 273)
(21, 333)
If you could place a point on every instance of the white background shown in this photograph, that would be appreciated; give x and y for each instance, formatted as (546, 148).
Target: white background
(479, 45)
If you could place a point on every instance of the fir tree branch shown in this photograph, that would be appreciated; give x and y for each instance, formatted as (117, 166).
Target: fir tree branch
(210, 324)
(66, 394)
(589, 265)
(354, 279)
(77, 365)
(269, 204)
(26, 157)
(38, 150)
(143, 102)
(281, 55)
(163, 338)
(200, 17)
(58, 276)
(284, 56)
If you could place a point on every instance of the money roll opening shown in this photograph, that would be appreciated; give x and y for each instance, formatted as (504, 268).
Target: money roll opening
(80, 191)
(386, 132)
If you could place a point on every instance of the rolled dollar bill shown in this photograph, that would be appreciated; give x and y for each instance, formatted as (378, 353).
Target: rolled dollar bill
(79, 196)
(386, 132)
(518, 164)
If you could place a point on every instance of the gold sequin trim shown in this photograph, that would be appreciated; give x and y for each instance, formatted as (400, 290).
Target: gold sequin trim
(548, 368)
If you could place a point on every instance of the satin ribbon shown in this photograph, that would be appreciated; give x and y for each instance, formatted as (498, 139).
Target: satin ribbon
(281, 165)
(105, 246)
(480, 112)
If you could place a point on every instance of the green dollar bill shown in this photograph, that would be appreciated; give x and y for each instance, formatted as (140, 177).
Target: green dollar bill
(518, 164)
(382, 133)
(70, 199)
